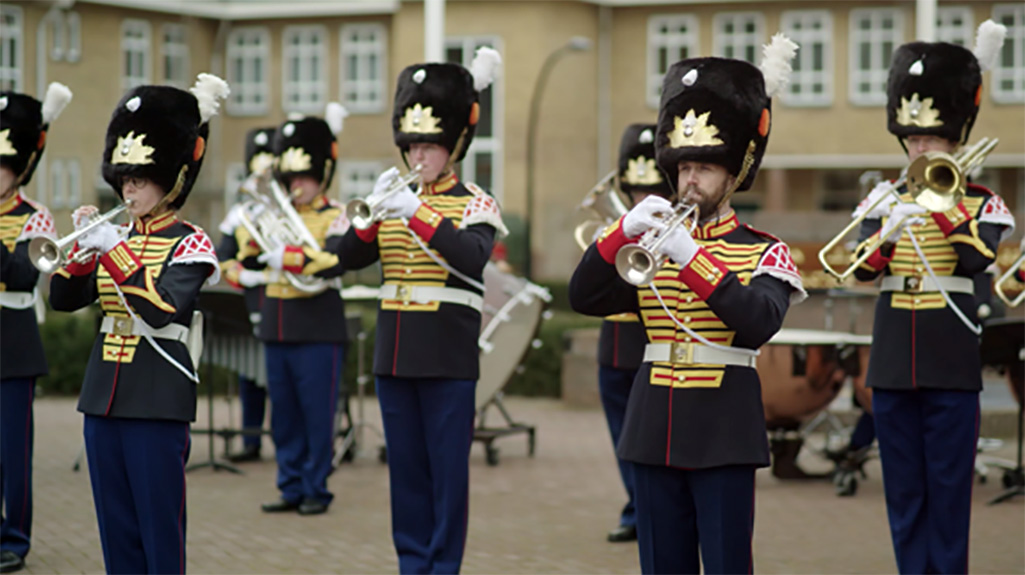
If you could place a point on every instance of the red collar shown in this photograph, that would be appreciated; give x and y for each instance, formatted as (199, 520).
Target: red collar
(441, 185)
(716, 227)
(151, 225)
(319, 201)
(10, 203)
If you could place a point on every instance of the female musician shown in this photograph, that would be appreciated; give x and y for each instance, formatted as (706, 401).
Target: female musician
(139, 392)
(925, 367)
(433, 247)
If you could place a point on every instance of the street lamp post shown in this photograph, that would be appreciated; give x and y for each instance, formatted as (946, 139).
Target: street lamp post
(575, 44)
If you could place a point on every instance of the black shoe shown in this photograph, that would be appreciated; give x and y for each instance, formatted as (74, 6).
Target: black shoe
(312, 507)
(10, 562)
(623, 533)
(280, 506)
(246, 455)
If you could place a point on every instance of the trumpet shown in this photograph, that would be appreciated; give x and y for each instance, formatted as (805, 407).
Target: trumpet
(48, 254)
(605, 206)
(1005, 277)
(639, 263)
(272, 222)
(364, 213)
(935, 180)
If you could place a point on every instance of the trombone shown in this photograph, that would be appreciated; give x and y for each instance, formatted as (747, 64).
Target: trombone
(364, 213)
(935, 180)
(48, 254)
(1007, 275)
(639, 263)
(605, 206)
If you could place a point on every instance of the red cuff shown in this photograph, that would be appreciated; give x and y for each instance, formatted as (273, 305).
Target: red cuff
(425, 222)
(121, 262)
(80, 269)
(951, 218)
(231, 273)
(611, 240)
(704, 273)
(293, 260)
(368, 235)
(878, 261)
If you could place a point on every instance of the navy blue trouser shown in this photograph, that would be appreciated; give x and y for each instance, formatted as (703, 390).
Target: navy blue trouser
(302, 380)
(927, 445)
(864, 432)
(428, 429)
(254, 405)
(16, 438)
(614, 385)
(682, 510)
(137, 470)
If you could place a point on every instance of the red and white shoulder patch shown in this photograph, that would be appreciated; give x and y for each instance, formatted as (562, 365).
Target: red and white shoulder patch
(39, 224)
(995, 211)
(339, 225)
(196, 248)
(765, 235)
(483, 209)
(778, 263)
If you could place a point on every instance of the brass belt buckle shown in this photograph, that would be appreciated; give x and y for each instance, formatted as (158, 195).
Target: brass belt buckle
(913, 284)
(123, 326)
(682, 353)
(404, 293)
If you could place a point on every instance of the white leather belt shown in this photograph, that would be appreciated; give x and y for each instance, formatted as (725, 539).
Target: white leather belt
(126, 326)
(919, 284)
(691, 353)
(17, 299)
(427, 294)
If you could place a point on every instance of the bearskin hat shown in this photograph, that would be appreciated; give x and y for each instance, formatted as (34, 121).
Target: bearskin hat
(159, 133)
(718, 110)
(306, 146)
(637, 169)
(259, 155)
(23, 125)
(934, 88)
(438, 103)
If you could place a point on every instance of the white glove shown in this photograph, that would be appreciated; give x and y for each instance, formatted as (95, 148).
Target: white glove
(231, 221)
(894, 226)
(884, 206)
(679, 246)
(642, 217)
(82, 216)
(251, 278)
(401, 204)
(1021, 246)
(384, 182)
(275, 259)
(102, 238)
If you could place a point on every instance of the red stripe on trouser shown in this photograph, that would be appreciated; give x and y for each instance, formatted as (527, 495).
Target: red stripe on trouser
(181, 510)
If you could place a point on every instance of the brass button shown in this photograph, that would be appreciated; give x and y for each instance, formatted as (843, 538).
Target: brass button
(411, 256)
(918, 300)
(710, 277)
(686, 319)
(687, 339)
(408, 271)
(681, 377)
(690, 298)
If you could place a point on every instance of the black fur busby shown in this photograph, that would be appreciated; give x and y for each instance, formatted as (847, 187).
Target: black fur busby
(23, 125)
(718, 110)
(934, 88)
(259, 155)
(637, 169)
(438, 103)
(159, 133)
(306, 146)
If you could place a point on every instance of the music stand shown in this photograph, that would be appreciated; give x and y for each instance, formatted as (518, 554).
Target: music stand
(1003, 346)
(224, 314)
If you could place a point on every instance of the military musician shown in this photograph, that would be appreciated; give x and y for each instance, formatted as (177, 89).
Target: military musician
(695, 425)
(24, 122)
(925, 369)
(139, 393)
(433, 246)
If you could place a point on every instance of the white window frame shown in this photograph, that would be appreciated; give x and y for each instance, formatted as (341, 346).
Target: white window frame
(58, 186)
(57, 36)
(73, 28)
(874, 37)
(245, 91)
(1014, 45)
(806, 76)
(310, 90)
(738, 42)
(356, 94)
(177, 50)
(11, 69)
(234, 175)
(138, 47)
(356, 178)
(677, 46)
(73, 174)
(492, 144)
(948, 30)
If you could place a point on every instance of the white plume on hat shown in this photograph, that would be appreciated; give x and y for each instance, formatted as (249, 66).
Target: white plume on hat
(988, 41)
(776, 58)
(335, 115)
(485, 67)
(57, 97)
(209, 90)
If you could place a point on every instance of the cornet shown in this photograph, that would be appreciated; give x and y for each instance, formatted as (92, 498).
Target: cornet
(935, 180)
(639, 263)
(365, 213)
(605, 206)
(1004, 278)
(48, 254)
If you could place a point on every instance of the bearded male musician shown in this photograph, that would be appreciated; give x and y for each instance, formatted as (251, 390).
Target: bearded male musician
(925, 368)
(695, 425)
(24, 122)
(139, 393)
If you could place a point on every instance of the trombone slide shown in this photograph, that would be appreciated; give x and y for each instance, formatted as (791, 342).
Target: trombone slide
(998, 287)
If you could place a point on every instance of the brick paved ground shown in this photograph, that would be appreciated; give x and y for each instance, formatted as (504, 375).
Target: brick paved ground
(548, 514)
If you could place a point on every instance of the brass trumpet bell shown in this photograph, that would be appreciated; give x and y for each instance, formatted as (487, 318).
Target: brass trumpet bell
(639, 263)
(48, 255)
(364, 213)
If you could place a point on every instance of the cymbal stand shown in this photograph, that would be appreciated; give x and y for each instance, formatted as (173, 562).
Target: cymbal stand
(209, 431)
(353, 438)
(1014, 479)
